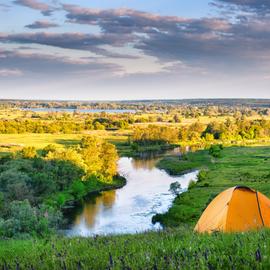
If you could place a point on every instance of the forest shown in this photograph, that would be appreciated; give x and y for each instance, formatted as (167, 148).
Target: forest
(36, 185)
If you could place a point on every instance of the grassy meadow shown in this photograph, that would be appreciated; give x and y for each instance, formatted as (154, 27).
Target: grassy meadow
(171, 249)
(177, 247)
(249, 166)
(13, 142)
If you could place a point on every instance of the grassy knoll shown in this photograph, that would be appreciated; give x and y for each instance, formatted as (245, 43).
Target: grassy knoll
(174, 249)
(248, 166)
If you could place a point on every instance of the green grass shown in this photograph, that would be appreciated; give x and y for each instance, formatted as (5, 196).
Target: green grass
(179, 165)
(249, 166)
(173, 249)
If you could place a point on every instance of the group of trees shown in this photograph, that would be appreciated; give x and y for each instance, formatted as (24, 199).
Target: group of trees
(34, 185)
(59, 126)
(154, 134)
(230, 130)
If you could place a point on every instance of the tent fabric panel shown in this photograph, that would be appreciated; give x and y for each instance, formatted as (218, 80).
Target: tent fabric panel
(214, 216)
(243, 211)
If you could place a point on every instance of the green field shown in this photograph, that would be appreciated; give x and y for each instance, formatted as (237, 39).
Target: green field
(173, 249)
(249, 166)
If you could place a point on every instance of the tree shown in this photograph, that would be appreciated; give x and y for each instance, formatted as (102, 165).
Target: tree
(175, 188)
(14, 184)
(48, 148)
(29, 152)
(91, 154)
(155, 135)
(109, 160)
(99, 156)
(69, 154)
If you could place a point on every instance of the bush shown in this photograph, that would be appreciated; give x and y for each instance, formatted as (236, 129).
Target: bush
(47, 149)
(202, 176)
(29, 152)
(215, 150)
(191, 184)
(78, 189)
(25, 220)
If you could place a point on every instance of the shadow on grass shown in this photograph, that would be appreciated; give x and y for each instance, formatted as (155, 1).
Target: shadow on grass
(68, 142)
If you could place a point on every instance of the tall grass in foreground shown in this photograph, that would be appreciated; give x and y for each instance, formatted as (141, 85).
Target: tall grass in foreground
(172, 249)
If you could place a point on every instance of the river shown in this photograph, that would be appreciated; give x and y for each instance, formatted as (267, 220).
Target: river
(69, 110)
(131, 208)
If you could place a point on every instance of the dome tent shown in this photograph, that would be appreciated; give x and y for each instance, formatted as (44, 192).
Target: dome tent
(236, 209)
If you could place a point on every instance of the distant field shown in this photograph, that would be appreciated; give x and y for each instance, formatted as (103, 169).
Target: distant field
(202, 119)
(60, 140)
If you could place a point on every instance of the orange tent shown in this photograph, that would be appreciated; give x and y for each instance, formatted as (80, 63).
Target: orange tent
(236, 209)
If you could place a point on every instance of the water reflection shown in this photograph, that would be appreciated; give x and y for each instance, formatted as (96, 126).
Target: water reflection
(148, 164)
(93, 206)
(130, 209)
(149, 159)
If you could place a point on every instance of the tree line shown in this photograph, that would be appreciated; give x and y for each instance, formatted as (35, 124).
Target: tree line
(59, 126)
(230, 130)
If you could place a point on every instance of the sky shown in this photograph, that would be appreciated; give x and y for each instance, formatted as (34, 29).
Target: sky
(134, 49)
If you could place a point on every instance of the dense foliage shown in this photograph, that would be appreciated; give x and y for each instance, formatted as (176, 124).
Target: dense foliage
(230, 130)
(155, 134)
(65, 126)
(34, 187)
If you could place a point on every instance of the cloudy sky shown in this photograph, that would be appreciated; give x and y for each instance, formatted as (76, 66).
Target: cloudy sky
(134, 49)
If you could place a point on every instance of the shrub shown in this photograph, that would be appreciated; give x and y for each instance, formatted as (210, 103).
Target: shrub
(215, 150)
(29, 152)
(25, 220)
(47, 149)
(202, 175)
(78, 189)
(191, 184)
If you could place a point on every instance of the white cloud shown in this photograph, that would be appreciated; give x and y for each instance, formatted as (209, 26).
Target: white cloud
(10, 72)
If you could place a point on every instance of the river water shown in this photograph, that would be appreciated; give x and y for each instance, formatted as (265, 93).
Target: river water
(68, 110)
(131, 208)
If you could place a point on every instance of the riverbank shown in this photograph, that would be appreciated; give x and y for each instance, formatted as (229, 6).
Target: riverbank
(247, 166)
(90, 188)
(173, 249)
(130, 209)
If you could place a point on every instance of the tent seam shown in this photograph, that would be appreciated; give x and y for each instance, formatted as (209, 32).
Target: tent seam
(229, 207)
(259, 207)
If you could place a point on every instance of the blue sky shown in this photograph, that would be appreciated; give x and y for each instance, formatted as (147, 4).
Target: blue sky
(123, 49)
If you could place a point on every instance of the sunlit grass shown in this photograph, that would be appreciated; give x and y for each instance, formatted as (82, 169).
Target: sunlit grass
(248, 166)
(41, 140)
(174, 249)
